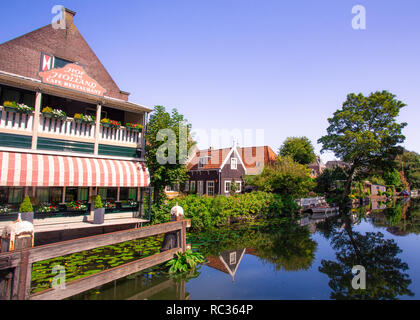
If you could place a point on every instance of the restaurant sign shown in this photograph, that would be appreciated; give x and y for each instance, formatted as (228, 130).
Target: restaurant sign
(72, 76)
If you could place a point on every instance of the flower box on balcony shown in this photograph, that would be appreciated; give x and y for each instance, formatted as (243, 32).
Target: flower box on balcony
(16, 108)
(10, 106)
(134, 127)
(110, 123)
(10, 109)
(48, 114)
(83, 118)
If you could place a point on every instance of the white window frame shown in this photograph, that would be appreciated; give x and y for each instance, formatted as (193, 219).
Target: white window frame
(207, 187)
(202, 161)
(200, 188)
(192, 187)
(232, 258)
(240, 186)
(227, 190)
(187, 186)
(234, 163)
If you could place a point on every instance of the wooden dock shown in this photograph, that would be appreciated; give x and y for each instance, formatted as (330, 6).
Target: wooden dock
(18, 264)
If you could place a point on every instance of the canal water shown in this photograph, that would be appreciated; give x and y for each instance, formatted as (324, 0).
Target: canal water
(295, 259)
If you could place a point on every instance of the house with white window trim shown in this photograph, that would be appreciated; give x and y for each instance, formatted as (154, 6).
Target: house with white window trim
(213, 171)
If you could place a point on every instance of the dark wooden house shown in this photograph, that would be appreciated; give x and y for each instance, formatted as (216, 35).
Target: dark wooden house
(214, 172)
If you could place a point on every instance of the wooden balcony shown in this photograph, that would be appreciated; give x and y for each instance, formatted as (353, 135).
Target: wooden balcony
(69, 130)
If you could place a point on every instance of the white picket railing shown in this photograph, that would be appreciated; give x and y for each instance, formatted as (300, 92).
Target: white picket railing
(117, 135)
(68, 128)
(16, 121)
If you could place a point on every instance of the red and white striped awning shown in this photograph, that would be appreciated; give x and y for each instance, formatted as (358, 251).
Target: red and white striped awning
(26, 169)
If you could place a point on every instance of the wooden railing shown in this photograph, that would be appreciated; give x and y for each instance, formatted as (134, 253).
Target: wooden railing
(68, 129)
(16, 121)
(19, 263)
(121, 134)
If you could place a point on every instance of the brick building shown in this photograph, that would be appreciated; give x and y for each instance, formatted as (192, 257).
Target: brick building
(67, 131)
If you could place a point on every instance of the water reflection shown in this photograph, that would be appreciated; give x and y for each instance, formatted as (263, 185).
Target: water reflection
(282, 244)
(140, 286)
(386, 276)
(290, 258)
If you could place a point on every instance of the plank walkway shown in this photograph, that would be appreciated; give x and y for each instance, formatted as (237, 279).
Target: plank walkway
(83, 225)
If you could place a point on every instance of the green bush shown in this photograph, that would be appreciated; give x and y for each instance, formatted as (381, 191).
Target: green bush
(98, 202)
(207, 212)
(26, 205)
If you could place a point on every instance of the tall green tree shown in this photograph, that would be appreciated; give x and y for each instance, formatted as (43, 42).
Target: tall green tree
(365, 133)
(300, 149)
(168, 140)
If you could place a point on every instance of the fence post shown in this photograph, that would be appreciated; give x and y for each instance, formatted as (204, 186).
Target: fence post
(18, 236)
(174, 239)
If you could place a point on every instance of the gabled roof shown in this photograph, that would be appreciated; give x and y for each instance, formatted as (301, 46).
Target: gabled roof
(223, 264)
(217, 158)
(22, 55)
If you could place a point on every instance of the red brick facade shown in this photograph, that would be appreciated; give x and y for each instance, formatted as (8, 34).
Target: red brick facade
(22, 55)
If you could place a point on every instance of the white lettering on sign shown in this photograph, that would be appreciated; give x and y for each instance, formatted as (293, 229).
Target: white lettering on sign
(73, 77)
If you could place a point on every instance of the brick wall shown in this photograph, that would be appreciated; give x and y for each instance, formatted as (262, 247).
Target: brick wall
(22, 55)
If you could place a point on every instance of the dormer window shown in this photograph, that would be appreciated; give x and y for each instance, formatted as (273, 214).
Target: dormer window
(234, 163)
(202, 161)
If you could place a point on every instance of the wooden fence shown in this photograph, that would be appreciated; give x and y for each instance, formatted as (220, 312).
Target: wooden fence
(16, 266)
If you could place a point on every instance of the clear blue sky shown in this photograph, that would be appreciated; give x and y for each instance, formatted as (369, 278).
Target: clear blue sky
(281, 66)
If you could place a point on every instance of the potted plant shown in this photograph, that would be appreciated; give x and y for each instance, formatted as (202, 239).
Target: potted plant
(59, 114)
(23, 108)
(47, 112)
(26, 210)
(99, 213)
(110, 123)
(78, 117)
(10, 106)
(134, 127)
(54, 113)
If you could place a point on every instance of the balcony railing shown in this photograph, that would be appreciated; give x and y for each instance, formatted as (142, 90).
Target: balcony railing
(68, 129)
(16, 121)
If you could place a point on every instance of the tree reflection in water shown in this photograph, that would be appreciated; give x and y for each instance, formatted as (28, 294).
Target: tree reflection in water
(281, 243)
(385, 272)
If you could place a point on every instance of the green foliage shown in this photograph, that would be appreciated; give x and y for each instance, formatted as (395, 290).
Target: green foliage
(285, 177)
(326, 182)
(26, 205)
(393, 178)
(208, 212)
(364, 132)
(409, 163)
(376, 179)
(280, 242)
(98, 202)
(160, 147)
(300, 150)
(185, 262)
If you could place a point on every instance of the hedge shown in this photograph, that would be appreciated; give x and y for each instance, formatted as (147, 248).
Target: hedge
(207, 212)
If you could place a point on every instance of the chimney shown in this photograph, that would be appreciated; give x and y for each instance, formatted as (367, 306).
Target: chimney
(68, 15)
